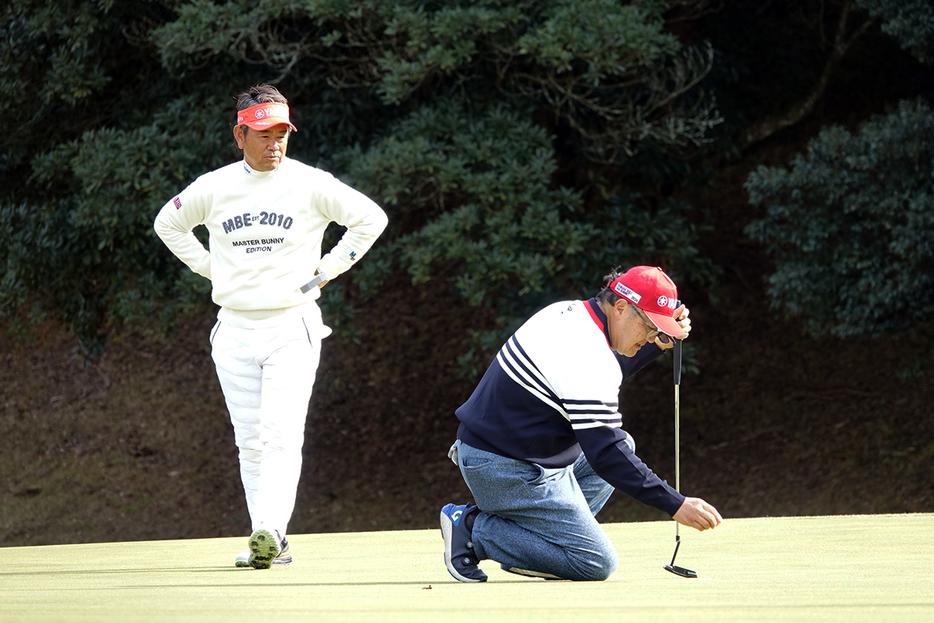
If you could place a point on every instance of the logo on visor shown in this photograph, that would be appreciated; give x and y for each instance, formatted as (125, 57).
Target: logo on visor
(260, 113)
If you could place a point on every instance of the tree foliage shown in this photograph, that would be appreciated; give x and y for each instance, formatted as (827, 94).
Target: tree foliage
(473, 192)
(607, 68)
(446, 112)
(520, 146)
(99, 146)
(910, 22)
(850, 226)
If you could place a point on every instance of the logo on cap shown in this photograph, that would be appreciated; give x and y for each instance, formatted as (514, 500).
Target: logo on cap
(629, 294)
(262, 116)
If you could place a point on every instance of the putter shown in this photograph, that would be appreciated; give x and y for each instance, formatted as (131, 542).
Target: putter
(314, 282)
(684, 573)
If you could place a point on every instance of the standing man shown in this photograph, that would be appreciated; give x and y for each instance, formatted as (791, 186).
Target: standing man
(266, 216)
(541, 444)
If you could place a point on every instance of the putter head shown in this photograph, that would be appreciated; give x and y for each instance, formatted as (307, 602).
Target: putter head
(684, 573)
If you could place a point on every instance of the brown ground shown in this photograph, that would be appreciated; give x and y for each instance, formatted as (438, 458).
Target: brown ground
(138, 445)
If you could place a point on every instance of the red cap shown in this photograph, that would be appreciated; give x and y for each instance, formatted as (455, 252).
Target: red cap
(652, 291)
(264, 116)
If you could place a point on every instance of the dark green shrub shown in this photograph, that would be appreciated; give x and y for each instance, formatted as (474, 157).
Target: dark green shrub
(850, 226)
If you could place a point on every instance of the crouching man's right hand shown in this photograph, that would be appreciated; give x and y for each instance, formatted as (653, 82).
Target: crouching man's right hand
(698, 514)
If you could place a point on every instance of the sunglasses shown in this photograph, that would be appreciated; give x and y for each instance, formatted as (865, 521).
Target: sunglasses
(653, 332)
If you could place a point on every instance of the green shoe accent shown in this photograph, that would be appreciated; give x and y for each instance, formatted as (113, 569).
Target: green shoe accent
(264, 547)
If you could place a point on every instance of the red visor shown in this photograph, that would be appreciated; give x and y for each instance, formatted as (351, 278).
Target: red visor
(264, 116)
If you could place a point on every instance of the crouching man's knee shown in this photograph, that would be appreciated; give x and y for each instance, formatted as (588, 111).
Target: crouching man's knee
(597, 566)
(605, 566)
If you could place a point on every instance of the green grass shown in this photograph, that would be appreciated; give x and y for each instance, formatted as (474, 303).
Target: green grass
(840, 568)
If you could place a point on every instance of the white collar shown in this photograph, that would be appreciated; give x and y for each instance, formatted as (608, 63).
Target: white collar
(254, 173)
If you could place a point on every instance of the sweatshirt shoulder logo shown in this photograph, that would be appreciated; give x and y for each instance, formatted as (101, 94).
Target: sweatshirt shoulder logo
(178, 203)
(353, 255)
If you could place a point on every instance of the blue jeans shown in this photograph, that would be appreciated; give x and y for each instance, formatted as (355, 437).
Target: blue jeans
(538, 518)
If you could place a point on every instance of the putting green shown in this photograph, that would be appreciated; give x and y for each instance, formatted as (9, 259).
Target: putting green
(840, 568)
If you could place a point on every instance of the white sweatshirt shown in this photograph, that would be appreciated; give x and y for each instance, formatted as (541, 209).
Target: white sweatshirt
(265, 232)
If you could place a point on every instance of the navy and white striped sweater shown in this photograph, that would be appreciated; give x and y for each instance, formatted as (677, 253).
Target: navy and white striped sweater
(553, 391)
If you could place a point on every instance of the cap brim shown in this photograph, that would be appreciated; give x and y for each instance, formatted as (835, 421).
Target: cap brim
(667, 325)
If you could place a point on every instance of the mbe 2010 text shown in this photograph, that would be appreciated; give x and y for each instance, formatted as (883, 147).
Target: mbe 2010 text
(264, 218)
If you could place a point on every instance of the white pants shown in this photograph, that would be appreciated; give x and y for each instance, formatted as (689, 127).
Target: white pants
(267, 375)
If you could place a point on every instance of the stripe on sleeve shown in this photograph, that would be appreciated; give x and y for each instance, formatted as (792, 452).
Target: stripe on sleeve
(593, 414)
(520, 369)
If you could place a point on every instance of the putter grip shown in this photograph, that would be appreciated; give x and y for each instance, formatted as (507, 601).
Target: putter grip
(677, 359)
